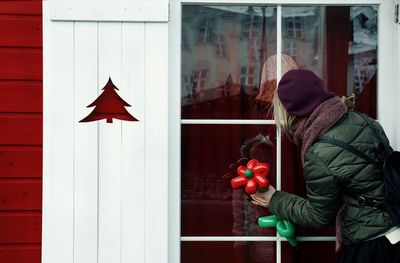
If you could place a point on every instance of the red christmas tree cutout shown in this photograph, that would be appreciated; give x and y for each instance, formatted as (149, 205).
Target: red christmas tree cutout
(109, 105)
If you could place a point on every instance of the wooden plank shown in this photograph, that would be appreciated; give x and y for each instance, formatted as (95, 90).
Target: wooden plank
(21, 129)
(58, 143)
(133, 147)
(21, 63)
(86, 147)
(20, 228)
(20, 161)
(21, 31)
(109, 150)
(17, 254)
(21, 96)
(116, 11)
(20, 194)
(156, 154)
(21, 7)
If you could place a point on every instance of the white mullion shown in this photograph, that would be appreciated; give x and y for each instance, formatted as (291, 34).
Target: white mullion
(278, 132)
(228, 238)
(256, 238)
(220, 121)
(286, 2)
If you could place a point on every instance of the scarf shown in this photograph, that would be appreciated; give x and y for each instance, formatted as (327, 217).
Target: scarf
(308, 130)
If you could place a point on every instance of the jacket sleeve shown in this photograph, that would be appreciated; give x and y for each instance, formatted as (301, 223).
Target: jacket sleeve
(323, 197)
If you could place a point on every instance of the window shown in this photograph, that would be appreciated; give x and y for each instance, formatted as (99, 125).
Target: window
(294, 27)
(247, 75)
(220, 46)
(206, 30)
(291, 48)
(251, 24)
(199, 80)
(217, 224)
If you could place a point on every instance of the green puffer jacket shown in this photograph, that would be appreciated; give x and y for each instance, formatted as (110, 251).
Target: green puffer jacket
(333, 174)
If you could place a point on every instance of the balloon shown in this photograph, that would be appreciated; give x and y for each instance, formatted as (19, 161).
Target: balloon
(253, 177)
(284, 227)
(268, 221)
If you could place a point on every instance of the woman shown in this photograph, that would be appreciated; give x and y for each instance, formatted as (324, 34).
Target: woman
(337, 181)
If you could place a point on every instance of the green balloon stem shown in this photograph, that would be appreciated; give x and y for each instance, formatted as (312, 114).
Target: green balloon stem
(268, 221)
(285, 228)
(292, 241)
(262, 190)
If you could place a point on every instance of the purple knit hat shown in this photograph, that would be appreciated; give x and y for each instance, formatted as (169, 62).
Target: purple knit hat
(301, 91)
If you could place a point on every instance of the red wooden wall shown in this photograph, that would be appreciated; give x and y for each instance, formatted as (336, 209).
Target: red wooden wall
(20, 131)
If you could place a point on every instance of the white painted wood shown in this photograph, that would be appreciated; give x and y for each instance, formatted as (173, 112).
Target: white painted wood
(174, 132)
(221, 121)
(110, 186)
(156, 155)
(133, 147)
(58, 158)
(111, 11)
(85, 144)
(287, 2)
(386, 71)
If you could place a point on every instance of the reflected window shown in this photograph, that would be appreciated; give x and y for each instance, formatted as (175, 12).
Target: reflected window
(220, 46)
(251, 24)
(199, 82)
(294, 27)
(291, 48)
(206, 30)
(247, 75)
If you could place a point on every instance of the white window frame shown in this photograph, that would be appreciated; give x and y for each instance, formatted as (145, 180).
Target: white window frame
(386, 102)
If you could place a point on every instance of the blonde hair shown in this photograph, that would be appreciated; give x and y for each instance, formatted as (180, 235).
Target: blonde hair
(283, 119)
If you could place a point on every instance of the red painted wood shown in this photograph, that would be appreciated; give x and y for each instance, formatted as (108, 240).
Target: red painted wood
(21, 130)
(21, 31)
(20, 254)
(20, 162)
(21, 194)
(21, 63)
(21, 96)
(20, 228)
(21, 7)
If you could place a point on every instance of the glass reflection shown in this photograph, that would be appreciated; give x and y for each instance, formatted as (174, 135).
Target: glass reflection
(338, 43)
(232, 252)
(223, 51)
(210, 157)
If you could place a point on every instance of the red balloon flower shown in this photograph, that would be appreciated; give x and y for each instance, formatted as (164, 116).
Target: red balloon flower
(253, 176)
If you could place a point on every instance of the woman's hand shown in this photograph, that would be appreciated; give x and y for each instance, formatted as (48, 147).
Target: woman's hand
(263, 198)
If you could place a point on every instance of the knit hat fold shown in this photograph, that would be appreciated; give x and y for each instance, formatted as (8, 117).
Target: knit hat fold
(301, 91)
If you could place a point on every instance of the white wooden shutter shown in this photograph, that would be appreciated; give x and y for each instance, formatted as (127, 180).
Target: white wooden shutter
(105, 185)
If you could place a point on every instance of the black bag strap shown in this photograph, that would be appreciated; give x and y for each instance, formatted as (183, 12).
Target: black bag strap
(377, 133)
(349, 148)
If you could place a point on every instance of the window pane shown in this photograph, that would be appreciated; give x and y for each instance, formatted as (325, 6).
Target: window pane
(333, 48)
(231, 252)
(231, 40)
(338, 43)
(310, 252)
(209, 207)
